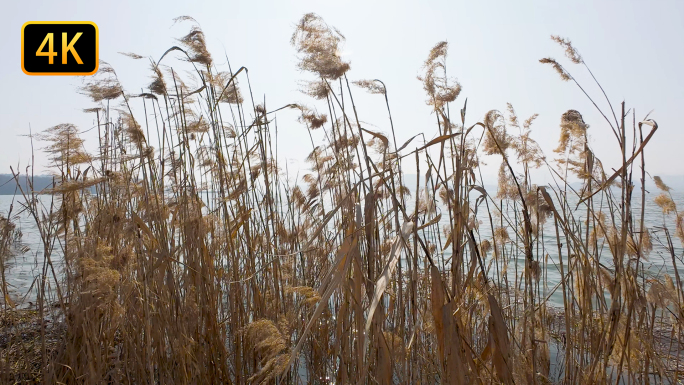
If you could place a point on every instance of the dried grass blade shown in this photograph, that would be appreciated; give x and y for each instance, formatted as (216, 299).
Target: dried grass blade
(433, 221)
(384, 279)
(501, 348)
(332, 280)
(403, 146)
(437, 302)
(379, 136)
(439, 139)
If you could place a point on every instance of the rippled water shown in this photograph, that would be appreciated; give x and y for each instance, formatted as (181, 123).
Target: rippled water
(23, 268)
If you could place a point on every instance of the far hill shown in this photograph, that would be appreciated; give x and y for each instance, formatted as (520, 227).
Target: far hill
(8, 186)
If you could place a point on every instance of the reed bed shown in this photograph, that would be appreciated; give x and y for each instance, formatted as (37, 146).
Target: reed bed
(190, 256)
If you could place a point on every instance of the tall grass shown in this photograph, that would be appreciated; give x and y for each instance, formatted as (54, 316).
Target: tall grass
(9, 235)
(190, 256)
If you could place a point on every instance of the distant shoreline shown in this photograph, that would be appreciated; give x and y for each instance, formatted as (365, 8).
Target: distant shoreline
(8, 186)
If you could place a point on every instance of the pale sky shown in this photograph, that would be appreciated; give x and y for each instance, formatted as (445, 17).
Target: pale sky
(633, 48)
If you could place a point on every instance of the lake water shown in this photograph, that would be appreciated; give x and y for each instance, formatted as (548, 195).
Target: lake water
(23, 268)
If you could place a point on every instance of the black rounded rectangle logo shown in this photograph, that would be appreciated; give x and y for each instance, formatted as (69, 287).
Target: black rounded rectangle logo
(59, 48)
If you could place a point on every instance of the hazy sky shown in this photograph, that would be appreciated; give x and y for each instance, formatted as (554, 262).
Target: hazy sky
(633, 48)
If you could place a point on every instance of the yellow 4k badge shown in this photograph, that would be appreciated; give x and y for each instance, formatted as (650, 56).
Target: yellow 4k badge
(59, 48)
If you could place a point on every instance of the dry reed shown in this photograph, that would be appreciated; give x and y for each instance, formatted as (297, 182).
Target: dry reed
(190, 258)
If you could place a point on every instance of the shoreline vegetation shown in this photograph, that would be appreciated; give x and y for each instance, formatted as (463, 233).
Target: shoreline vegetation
(337, 279)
